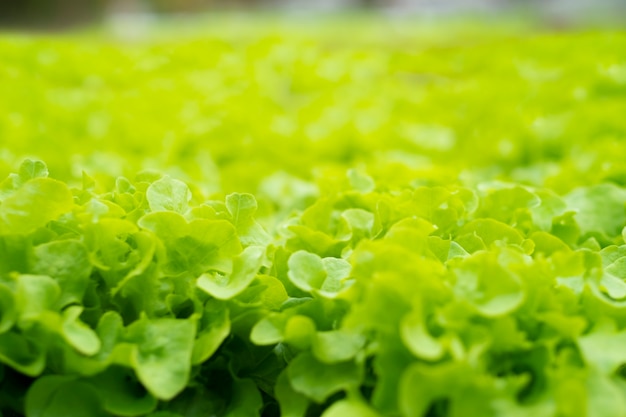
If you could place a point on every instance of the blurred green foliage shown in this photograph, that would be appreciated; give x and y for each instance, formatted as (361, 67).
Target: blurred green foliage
(436, 226)
(252, 97)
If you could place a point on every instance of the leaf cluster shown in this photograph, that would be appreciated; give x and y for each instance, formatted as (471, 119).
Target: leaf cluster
(425, 301)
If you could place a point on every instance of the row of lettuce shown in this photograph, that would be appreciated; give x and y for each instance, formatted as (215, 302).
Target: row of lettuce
(228, 104)
(150, 300)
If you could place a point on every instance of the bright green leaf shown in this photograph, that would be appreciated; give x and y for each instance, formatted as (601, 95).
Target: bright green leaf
(67, 261)
(162, 358)
(78, 334)
(349, 408)
(327, 378)
(245, 268)
(336, 346)
(215, 327)
(168, 194)
(33, 205)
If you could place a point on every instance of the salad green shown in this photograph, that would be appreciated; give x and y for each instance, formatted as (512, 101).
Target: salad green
(266, 220)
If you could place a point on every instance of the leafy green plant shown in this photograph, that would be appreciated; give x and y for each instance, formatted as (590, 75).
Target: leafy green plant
(365, 255)
(369, 302)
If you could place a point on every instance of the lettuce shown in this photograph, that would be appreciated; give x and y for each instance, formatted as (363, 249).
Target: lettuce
(170, 306)
(313, 227)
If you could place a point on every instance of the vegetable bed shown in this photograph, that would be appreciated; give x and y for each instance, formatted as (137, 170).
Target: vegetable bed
(262, 217)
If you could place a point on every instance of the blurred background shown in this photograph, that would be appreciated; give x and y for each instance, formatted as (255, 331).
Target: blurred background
(55, 14)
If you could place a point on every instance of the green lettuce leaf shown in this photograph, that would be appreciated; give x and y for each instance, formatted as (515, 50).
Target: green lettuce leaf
(162, 356)
(33, 205)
